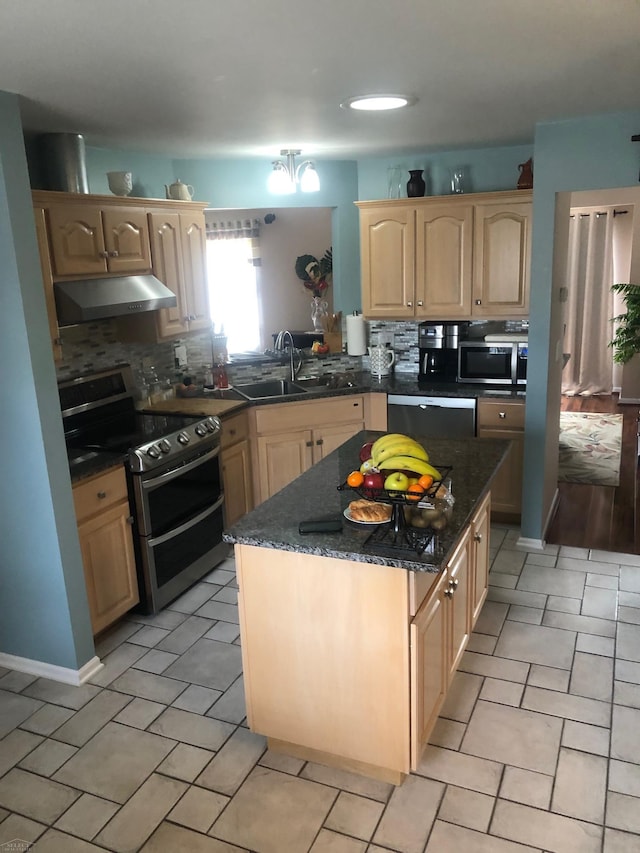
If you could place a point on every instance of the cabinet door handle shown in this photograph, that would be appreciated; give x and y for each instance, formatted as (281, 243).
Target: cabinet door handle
(130, 520)
(103, 254)
(309, 443)
(102, 495)
(449, 592)
(453, 583)
(113, 254)
(320, 441)
(419, 303)
(409, 304)
(478, 537)
(502, 415)
(478, 301)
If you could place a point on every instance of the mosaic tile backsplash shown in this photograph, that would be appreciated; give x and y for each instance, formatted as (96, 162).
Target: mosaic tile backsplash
(91, 347)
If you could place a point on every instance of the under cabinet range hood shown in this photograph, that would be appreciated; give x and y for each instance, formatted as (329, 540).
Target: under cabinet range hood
(100, 298)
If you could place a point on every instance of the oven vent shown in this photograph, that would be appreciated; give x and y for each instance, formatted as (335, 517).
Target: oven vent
(101, 298)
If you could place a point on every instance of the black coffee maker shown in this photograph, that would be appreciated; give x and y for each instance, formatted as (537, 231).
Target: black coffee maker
(438, 343)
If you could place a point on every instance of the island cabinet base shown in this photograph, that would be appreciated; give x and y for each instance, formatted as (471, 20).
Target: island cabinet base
(348, 663)
(325, 656)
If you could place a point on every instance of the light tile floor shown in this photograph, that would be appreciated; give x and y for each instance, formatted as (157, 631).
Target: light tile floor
(537, 747)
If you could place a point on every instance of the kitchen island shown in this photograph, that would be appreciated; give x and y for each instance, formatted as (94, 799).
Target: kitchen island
(348, 648)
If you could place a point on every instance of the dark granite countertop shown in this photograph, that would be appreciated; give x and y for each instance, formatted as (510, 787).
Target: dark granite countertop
(274, 524)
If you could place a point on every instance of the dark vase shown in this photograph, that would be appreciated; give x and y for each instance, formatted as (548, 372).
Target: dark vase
(415, 185)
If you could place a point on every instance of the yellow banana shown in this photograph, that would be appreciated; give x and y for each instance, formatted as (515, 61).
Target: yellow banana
(389, 437)
(403, 447)
(409, 463)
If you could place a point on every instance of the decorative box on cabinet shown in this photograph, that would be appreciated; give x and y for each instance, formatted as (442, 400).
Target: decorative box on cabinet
(446, 258)
(106, 541)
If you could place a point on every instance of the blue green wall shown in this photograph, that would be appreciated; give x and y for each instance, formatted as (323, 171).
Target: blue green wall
(577, 154)
(43, 605)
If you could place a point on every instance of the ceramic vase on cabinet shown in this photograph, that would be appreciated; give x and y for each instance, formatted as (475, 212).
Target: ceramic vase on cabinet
(120, 183)
(415, 185)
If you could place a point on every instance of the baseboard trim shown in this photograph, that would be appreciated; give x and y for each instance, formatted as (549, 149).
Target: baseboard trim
(528, 544)
(75, 677)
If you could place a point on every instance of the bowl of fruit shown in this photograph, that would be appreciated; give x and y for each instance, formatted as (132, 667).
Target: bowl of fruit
(395, 469)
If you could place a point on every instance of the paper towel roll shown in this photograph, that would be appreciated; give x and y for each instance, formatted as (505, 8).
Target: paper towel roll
(356, 335)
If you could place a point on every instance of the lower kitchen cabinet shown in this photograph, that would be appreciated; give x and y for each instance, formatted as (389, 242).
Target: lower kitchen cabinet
(314, 429)
(329, 643)
(106, 542)
(505, 420)
(236, 468)
(441, 628)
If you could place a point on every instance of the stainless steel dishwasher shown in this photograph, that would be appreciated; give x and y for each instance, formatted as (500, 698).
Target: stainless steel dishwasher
(433, 417)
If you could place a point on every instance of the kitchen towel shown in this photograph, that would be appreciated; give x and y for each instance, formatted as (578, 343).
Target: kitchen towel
(356, 334)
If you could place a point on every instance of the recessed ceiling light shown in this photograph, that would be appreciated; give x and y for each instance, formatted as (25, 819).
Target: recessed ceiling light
(378, 102)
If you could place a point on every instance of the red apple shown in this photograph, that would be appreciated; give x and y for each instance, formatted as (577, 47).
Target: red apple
(365, 451)
(373, 483)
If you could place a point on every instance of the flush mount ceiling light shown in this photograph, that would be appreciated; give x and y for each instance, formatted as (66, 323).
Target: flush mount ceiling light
(286, 176)
(378, 102)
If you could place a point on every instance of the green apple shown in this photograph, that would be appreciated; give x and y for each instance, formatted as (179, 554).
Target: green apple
(397, 482)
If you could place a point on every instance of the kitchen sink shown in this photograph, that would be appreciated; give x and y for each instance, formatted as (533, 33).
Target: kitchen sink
(269, 388)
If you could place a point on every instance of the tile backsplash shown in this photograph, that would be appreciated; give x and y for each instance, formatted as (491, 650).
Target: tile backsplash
(90, 347)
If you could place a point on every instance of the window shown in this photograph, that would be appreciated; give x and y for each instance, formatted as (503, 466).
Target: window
(232, 269)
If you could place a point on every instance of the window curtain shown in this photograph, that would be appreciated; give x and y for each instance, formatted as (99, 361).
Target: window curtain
(589, 306)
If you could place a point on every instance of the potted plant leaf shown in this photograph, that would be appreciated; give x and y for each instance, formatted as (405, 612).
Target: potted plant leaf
(626, 339)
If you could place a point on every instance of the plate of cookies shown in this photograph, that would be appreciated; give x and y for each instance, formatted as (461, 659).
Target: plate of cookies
(368, 512)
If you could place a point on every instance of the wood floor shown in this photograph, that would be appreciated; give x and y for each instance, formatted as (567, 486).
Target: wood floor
(602, 517)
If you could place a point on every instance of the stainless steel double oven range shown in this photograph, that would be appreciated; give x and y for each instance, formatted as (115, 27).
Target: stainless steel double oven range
(173, 472)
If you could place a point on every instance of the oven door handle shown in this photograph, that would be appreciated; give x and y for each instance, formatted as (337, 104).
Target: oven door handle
(176, 531)
(152, 482)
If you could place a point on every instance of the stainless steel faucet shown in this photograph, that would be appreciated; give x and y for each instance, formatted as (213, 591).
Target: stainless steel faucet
(281, 345)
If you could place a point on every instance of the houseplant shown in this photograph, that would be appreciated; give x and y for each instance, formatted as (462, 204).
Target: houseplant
(626, 339)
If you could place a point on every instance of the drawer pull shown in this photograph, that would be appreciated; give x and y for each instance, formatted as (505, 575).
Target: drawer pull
(502, 415)
(320, 441)
(453, 583)
(102, 495)
(449, 592)
(309, 443)
(478, 537)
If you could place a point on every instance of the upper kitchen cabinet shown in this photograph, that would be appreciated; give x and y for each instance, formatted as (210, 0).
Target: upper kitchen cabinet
(387, 258)
(501, 259)
(179, 261)
(453, 257)
(89, 240)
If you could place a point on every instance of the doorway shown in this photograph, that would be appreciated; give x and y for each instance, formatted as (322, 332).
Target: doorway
(596, 516)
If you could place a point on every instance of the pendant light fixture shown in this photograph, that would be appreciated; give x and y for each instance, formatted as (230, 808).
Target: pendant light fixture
(286, 177)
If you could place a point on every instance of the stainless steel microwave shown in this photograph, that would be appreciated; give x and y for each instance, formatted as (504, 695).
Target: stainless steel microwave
(493, 363)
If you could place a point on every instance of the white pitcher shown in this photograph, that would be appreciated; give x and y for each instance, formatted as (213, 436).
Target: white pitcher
(382, 359)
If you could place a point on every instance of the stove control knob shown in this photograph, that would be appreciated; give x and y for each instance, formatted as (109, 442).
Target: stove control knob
(210, 427)
(183, 438)
(165, 445)
(201, 430)
(154, 451)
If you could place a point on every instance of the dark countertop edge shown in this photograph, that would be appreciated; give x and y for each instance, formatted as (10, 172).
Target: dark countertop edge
(363, 383)
(295, 495)
(100, 465)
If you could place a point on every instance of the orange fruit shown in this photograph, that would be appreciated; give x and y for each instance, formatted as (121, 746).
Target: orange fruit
(355, 479)
(426, 481)
(414, 492)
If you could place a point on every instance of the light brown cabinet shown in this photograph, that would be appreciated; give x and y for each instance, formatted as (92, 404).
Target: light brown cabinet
(324, 639)
(236, 468)
(90, 240)
(47, 280)
(314, 429)
(505, 420)
(441, 628)
(453, 258)
(106, 543)
(178, 251)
